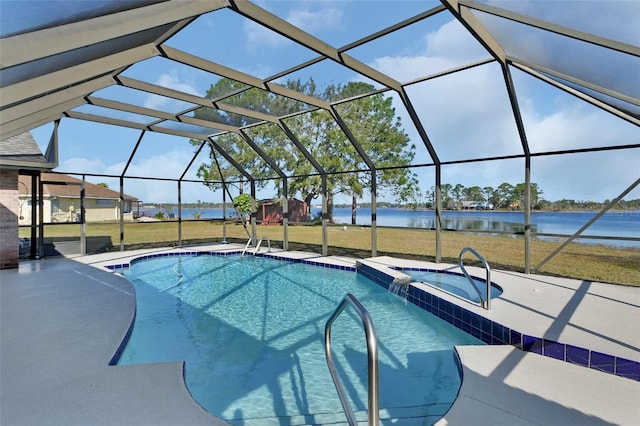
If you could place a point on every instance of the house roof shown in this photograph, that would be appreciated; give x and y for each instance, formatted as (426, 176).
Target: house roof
(60, 185)
(22, 152)
(278, 200)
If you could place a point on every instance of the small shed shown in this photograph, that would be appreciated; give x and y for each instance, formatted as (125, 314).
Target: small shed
(270, 211)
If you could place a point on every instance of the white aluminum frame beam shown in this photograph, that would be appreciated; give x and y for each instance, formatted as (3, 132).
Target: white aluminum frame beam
(133, 125)
(538, 71)
(48, 83)
(221, 70)
(477, 30)
(134, 109)
(39, 44)
(32, 113)
(554, 28)
(120, 106)
(274, 23)
(192, 99)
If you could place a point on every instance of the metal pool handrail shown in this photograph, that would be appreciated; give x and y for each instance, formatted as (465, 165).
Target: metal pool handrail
(372, 354)
(485, 303)
(246, 247)
(260, 242)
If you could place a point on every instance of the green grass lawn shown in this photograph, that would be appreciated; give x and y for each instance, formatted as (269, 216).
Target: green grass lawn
(580, 261)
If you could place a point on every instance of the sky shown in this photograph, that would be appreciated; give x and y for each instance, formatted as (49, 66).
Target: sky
(466, 115)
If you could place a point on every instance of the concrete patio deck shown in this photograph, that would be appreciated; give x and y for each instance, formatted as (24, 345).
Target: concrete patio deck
(61, 324)
(63, 319)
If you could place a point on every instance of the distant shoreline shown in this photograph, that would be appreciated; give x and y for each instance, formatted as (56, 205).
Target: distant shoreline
(162, 207)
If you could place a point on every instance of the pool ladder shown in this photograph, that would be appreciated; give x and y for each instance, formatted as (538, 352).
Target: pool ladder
(485, 303)
(246, 247)
(372, 356)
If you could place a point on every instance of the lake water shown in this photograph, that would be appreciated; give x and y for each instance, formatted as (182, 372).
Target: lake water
(624, 224)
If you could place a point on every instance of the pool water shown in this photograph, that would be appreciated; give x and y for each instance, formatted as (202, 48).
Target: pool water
(251, 333)
(454, 283)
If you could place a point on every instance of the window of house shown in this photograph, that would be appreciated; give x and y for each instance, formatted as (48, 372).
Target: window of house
(104, 203)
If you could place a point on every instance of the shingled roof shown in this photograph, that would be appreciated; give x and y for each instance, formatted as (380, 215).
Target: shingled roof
(22, 152)
(69, 187)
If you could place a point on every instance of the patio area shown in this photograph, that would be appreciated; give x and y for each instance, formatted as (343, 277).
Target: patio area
(64, 319)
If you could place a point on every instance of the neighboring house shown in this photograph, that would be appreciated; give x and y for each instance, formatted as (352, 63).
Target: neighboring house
(476, 205)
(61, 200)
(471, 205)
(270, 211)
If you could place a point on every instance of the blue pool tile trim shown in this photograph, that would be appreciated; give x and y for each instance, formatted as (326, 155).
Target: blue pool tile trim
(532, 344)
(602, 362)
(627, 368)
(493, 333)
(121, 266)
(117, 267)
(554, 350)
(309, 262)
(577, 355)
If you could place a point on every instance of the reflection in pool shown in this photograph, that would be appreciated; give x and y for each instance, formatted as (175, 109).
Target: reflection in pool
(250, 330)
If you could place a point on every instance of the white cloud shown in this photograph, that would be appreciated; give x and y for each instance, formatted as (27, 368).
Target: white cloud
(564, 129)
(453, 41)
(449, 46)
(468, 115)
(166, 165)
(258, 36)
(88, 165)
(590, 176)
(303, 16)
(169, 164)
(595, 176)
(404, 68)
(173, 81)
(321, 19)
(615, 19)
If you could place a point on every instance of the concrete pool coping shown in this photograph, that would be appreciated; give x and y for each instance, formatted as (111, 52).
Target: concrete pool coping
(597, 316)
(55, 356)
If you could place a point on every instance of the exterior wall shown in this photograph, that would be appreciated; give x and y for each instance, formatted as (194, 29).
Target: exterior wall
(9, 209)
(24, 211)
(68, 210)
(107, 210)
(270, 213)
(298, 211)
(61, 216)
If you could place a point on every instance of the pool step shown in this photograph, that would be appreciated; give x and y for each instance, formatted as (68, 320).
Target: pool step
(398, 416)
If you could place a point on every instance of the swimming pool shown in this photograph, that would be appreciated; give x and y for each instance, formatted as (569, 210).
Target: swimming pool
(453, 282)
(250, 330)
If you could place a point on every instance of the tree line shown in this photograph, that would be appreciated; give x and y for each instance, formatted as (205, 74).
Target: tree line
(505, 196)
(326, 136)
